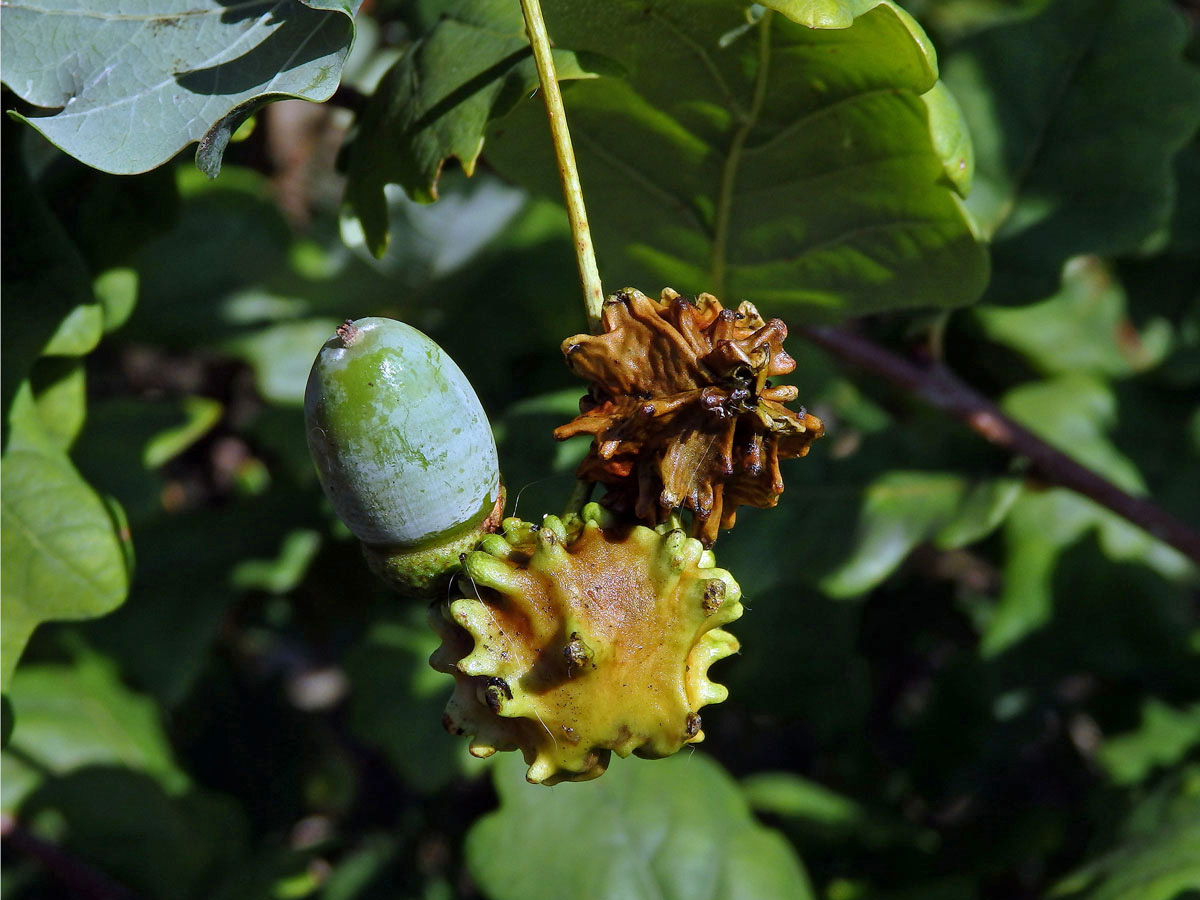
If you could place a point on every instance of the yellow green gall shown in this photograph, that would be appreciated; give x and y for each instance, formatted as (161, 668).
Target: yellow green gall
(579, 638)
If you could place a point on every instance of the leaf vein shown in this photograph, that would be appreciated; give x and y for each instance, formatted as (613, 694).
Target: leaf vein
(635, 175)
(35, 540)
(808, 116)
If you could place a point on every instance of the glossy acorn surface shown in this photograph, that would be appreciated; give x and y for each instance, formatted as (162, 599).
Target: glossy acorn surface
(401, 443)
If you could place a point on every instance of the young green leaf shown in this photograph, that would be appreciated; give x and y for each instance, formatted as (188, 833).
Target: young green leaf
(62, 557)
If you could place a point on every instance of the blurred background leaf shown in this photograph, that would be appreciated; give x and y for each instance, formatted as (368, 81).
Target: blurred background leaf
(1163, 738)
(62, 553)
(1076, 116)
(392, 660)
(1157, 864)
(670, 829)
(78, 714)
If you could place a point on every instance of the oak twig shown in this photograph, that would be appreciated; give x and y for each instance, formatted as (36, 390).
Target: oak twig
(942, 389)
(73, 873)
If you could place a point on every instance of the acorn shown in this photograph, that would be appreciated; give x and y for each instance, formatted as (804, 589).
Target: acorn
(404, 451)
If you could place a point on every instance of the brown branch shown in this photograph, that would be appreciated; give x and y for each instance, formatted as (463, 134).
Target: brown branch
(73, 873)
(942, 389)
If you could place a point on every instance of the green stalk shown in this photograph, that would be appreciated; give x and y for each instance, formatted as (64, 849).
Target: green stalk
(585, 255)
(580, 494)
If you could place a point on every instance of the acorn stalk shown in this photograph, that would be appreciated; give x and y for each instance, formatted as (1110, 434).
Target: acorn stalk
(404, 451)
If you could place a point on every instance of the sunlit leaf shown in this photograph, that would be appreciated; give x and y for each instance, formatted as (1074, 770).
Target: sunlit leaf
(435, 102)
(830, 182)
(1039, 527)
(132, 86)
(903, 509)
(1074, 413)
(431, 241)
(44, 276)
(79, 333)
(200, 414)
(283, 573)
(792, 165)
(787, 794)
(282, 356)
(980, 513)
(1165, 735)
(117, 290)
(58, 389)
(62, 555)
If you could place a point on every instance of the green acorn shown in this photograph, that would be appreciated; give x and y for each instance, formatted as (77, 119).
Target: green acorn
(404, 451)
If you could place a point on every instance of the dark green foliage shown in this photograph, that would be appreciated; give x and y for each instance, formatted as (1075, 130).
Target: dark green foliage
(957, 680)
(1077, 115)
